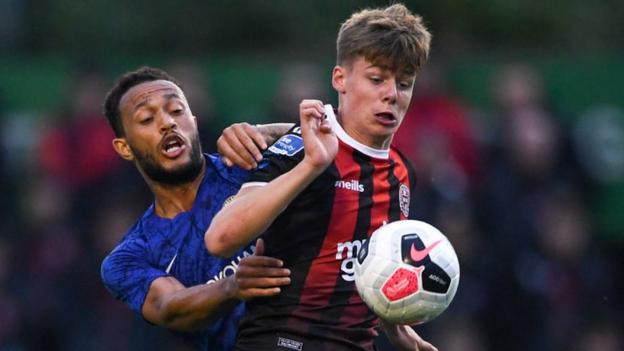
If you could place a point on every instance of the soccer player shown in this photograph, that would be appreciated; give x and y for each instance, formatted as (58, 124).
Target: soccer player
(161, 268)
(323, 188)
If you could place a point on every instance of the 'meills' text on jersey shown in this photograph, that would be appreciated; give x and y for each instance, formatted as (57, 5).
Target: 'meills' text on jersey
(318, 237)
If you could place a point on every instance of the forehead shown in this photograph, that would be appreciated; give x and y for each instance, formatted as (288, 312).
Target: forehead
(142, 92)
(384, 63)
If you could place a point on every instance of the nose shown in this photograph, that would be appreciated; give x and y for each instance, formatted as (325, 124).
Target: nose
(390, 92)
(167, 122)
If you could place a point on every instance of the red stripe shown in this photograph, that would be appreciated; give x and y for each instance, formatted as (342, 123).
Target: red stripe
(324, 270)
(356, 312)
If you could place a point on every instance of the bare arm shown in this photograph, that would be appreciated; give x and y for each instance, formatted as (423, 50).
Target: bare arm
(174, 306)
(242, 143)
(404, 338)
(255, 208)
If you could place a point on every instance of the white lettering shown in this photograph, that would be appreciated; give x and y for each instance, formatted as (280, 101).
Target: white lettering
(231, 268)
(350, 185)
(347, 252)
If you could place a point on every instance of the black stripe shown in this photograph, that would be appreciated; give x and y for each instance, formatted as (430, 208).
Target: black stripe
(394, 209)
(363, 221)
(411, 172)
(293, 236)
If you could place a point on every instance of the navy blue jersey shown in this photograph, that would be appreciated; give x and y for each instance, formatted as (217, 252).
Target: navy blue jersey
(156, 247)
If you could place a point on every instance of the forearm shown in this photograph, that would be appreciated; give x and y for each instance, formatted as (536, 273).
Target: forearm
(272, 131)
(251, 213)
(195, 307)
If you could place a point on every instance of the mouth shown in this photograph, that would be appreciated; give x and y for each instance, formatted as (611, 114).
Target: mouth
(172, 146)
(386, 118)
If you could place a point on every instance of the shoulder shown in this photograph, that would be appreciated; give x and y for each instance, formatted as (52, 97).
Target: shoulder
(233, 175)
(289, 144)
(398, 157)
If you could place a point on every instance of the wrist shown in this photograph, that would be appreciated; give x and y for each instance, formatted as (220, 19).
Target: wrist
(229, 287)
(309, 167)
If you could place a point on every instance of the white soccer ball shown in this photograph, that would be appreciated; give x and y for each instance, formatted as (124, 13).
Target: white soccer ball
(407, 272)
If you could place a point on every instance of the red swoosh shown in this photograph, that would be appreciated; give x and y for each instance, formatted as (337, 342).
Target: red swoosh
(418, 255)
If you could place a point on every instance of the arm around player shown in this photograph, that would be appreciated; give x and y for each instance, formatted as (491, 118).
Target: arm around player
(256, 207)
(170, 304)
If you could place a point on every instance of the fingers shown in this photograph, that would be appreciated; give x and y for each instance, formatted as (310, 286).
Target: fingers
(259, 251)
(239, 145)
(325, 127)
(231, 157)
(252, 283)
(257, 292)
(261, 261)
(258, 139)
(260, 276)
(260, 271)
(425, 346)
(312, 108)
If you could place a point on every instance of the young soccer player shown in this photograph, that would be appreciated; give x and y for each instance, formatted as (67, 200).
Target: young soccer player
(326, 186)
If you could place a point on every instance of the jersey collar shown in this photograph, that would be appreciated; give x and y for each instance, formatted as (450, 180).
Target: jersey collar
(347, 139)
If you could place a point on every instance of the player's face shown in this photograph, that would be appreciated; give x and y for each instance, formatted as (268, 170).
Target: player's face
(373, 100)
(161, 134)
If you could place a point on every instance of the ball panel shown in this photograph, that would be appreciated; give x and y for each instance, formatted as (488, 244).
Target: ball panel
(408, 273)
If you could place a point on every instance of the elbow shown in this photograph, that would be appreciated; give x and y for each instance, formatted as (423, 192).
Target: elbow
(218, 242)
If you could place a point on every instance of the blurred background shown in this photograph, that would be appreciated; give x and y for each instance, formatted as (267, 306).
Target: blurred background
(516, 129)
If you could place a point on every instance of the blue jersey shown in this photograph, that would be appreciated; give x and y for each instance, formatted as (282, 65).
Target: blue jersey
(156, 247)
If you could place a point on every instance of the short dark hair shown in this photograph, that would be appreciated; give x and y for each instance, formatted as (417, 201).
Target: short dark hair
(125, 83)
(391, 35)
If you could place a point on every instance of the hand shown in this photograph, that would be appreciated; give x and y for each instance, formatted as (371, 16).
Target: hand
(320, 142)
(403, 337)
(241, 144)
(259, 276)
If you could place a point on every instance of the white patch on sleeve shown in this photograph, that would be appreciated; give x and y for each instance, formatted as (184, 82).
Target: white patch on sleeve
(288, 145)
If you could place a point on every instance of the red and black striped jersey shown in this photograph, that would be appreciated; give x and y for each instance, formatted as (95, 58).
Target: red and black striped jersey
(318, 237)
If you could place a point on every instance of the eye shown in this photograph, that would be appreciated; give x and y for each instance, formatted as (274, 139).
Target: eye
(405, 84)
(146, 120)
(376, 80)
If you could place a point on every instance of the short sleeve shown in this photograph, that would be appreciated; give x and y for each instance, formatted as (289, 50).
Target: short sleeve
(127, 273)
(234, 174)
(280, 157)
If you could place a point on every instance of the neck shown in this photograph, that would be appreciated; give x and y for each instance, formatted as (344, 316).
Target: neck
(354, 133)
(171, 200)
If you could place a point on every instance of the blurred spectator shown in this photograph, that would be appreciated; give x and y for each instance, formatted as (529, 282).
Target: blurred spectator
(296, 81)
(459, 334)
(528, 161)
(197, 91)
(599, 142)
(603, 335)
(437, 136)
(77, 151)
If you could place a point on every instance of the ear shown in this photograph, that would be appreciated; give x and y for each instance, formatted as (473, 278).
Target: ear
(123, 149)
(338, 79)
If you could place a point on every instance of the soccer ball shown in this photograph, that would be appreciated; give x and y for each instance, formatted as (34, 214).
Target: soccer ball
(407, 272)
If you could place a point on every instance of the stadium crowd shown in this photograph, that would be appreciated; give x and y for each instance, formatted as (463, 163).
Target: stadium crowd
(514, 186)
